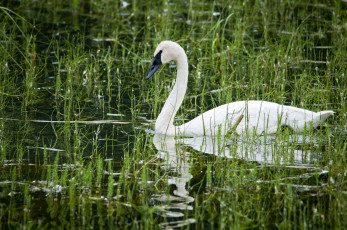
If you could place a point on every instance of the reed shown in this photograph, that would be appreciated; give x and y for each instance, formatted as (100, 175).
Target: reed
(76, 115)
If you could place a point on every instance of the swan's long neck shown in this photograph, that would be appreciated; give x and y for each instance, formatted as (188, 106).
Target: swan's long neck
(164, 123)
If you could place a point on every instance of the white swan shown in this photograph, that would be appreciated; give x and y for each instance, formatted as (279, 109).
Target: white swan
(242, 116)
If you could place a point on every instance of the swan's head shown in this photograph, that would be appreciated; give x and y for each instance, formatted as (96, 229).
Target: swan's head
(165, 52)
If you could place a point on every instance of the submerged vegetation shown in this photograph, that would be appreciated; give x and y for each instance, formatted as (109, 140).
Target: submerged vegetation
(77, 148)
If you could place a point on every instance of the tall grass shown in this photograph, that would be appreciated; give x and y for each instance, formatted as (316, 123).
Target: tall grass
(66, 67)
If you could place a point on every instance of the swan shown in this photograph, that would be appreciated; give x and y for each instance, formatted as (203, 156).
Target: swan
(254, 117)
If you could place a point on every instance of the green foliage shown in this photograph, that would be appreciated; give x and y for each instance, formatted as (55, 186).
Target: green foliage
(75, 111)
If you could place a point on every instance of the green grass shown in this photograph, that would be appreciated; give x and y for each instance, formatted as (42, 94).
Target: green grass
(75, 110)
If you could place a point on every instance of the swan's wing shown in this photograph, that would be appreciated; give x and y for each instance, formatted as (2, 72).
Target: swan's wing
(240, 117)
(261, 117)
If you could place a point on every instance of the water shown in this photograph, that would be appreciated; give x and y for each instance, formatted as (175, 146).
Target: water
(76, 127)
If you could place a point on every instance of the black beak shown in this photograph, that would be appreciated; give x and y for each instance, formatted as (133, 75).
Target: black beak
(155, 65)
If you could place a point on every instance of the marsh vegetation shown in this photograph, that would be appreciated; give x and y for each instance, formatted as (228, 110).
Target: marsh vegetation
(77, 147)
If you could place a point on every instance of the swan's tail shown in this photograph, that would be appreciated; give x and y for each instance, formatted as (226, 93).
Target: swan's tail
(323, 115)
(317, 119)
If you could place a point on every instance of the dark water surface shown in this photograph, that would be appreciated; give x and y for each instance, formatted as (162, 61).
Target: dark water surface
(76, 140)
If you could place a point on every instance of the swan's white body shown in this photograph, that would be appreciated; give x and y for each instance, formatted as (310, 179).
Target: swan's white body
(256, 117)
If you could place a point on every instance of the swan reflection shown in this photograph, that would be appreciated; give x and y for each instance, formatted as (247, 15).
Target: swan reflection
(177, 154)
(261, 149)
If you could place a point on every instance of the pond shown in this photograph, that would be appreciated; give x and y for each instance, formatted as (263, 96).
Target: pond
(77, 141)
